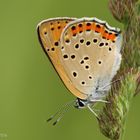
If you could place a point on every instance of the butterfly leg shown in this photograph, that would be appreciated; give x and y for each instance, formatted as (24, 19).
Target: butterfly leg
(103, 101)
(92, 111)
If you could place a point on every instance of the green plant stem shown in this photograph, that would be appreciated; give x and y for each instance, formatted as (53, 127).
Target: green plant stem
(112, 118)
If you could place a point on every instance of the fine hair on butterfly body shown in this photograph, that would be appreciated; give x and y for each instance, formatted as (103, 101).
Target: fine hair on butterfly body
(85, 53)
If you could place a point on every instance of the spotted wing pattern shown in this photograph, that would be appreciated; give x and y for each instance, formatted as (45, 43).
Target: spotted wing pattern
(90, 54)
(49, 32)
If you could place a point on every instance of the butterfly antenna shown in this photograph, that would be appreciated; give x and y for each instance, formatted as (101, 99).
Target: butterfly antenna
(92, 111)
(60, 110)
(62, 114)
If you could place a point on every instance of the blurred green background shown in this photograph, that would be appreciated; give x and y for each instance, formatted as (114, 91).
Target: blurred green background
(30, 90)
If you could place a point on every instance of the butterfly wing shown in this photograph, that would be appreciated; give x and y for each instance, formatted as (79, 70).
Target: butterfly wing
(90, 54)
(49, 32)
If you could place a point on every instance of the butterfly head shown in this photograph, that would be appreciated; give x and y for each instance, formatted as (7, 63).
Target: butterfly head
(80, 103)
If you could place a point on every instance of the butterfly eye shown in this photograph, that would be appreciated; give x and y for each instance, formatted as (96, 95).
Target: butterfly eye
(81, 104)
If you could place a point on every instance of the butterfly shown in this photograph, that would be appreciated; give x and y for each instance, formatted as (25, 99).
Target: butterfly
(85, 53)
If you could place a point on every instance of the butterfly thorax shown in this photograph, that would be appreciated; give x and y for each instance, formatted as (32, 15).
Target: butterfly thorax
(98, 95)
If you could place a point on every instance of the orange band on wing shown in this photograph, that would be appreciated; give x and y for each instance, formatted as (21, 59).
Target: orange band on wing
(112, 37)
(88, 26)
(82, 27)
(74, 32)
(93, 26)
(105, 34)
